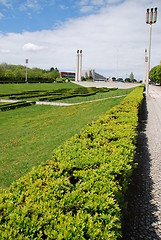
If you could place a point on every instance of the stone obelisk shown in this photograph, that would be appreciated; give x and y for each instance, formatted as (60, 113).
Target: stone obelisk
(78, 74)
(80, 66)
(77, 67)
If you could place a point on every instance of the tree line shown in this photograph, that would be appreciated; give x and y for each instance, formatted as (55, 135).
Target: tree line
(17, 73)
(155, 74)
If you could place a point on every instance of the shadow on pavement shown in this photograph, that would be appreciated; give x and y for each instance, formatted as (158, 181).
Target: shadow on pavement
(139, 221)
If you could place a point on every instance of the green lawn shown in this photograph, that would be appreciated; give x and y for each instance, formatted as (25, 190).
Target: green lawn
(19, 88)
(99, 95)
(29, 135)
(16, 88)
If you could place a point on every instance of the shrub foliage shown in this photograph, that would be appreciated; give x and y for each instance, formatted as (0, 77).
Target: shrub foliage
(79, 193)
(54, 95)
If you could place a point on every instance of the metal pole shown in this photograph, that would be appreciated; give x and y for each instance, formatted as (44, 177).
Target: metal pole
(149, 55)
(145, 67)
(26, 69)
(26, 72)
(150, 19)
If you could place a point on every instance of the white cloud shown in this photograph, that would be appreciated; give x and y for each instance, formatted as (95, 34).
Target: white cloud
(87, 9)
(33, 47)
(114, 1)
(6, 3)
(1, 15)
(63, 7)
(113, 41)
(97, 2)
(5, 51)
(87, 6)
(84, 2)
(35, 5)
(31, 5)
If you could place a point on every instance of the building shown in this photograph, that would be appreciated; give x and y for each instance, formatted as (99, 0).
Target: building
(92, 74)
(67, 75)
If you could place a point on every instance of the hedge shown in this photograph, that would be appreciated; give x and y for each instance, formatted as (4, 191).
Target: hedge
(55, 94)
(11, 106)
(79, 193)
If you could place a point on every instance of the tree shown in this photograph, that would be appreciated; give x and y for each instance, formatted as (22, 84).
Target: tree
(20, 73)
(158, 72)
(9, 74)
(52, 69)
(127, 80)
(119, 80)
(113, 79)
(155, 74)
(131, 77)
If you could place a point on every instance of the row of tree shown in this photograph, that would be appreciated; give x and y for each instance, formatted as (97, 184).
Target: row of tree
(17, 73)
(155, 74)
(129, 79)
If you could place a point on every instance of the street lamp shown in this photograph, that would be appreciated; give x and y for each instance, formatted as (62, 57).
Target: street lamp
(151, 17)
(145, 67)
(26, 68)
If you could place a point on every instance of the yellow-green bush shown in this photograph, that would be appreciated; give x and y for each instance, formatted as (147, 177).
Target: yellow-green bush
(79, 194)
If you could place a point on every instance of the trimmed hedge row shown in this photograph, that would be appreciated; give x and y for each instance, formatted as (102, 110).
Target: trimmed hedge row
(79, 193)
(29, 80)
(55, 94)
(11, 106)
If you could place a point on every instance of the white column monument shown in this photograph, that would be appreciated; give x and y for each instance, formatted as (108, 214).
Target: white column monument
(78, 74)
(77, 67)
(80, 66)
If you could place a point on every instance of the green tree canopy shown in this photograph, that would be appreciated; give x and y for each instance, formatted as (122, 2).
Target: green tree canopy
(131, 77)
(155, 74)
(17, 73)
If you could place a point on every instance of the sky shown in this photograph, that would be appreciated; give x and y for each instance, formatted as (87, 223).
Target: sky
(112, 34)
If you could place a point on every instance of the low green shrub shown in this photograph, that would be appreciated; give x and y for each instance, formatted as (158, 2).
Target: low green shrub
(79, 193)
(55, 94)
(12, 106)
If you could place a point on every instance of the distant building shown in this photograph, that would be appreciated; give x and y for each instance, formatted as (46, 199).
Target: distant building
(67, 75)
(90, 73)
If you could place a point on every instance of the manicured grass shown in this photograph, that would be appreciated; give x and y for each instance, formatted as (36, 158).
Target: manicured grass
(99, 95)
(29, 135)
(16, 88)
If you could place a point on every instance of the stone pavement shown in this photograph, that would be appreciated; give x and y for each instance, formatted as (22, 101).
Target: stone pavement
(100, 84)
(143, 219)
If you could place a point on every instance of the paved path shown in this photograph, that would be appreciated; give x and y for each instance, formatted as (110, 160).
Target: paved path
(100, 84)
(144, 212)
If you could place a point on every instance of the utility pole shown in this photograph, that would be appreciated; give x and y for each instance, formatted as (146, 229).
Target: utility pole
(151, 17)
(145, 67)
(26, 68)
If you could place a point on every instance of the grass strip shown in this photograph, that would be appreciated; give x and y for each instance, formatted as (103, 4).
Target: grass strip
(29, 135)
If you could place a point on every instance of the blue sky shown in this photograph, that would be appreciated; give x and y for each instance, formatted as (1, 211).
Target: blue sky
(36, 15)
(112, 33)
(19, 16)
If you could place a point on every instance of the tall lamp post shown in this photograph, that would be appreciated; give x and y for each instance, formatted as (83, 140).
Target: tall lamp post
(151, 17)
(26, 68)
